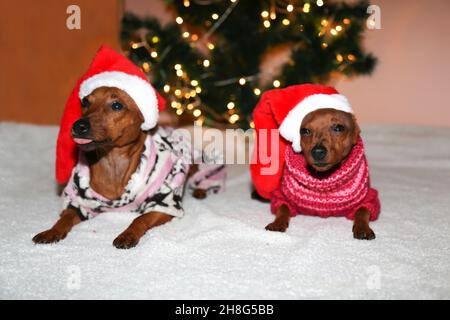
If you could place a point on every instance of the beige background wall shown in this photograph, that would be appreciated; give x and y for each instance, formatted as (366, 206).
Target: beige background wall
(411, 84)
(40, 59)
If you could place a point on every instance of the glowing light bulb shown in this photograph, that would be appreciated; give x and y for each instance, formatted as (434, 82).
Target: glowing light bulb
(339, 57)
(346, 21)
(333, 32)
(215, 16)
(198, 90)
(177, 66)
(134, 45)
(351, 57)
(252, 124)
(190, 106)
(230, 105)
(166, 88)
(178, 92)
(324, 45)
(180, 73)
(185, 34)
(267, 24)
(194, 83)
(286, 22)
(276, 83)
(174, 104)
(242, 81)
(264, 14)
(234, 118)
(210, 46)
(155, 39)
(338, 28)
(179, 20)
(154, 54)
(319, 3)
(194, 37)
(273, 15)
(290, 8)
(206, 63)
(324, 22)
(197, 113)
(257, 91)
(186, 3)
(146, 67)
(179, 112)
(306, 7)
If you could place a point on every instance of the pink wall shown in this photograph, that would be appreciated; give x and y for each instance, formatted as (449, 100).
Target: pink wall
(412, 80)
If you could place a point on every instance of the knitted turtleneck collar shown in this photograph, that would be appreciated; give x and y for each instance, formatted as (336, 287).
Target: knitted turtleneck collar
(341, 193)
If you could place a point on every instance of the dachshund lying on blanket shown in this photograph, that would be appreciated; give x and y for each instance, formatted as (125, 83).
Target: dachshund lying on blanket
(125, 163)
(324, 170)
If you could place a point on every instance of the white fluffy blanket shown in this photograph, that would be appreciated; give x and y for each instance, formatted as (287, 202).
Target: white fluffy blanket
(220, 250)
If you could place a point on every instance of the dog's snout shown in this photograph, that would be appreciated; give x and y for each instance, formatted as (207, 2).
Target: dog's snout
(319, 153)
(82, 127)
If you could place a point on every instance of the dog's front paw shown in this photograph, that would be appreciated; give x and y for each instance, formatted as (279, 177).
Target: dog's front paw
(199, 194)
(277, 226)
(126, 240)
(49, 236)
(363, 233)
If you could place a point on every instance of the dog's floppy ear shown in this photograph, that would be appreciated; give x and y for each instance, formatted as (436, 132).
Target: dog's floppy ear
(356, 130)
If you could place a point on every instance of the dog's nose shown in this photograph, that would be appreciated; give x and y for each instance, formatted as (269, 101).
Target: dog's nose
(319, 153)
(81, 127)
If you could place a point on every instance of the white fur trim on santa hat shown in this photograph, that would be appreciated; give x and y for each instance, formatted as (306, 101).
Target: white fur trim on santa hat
(290, 127)
(138, 89)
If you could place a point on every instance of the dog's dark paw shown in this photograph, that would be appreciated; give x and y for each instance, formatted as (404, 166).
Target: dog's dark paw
(126, 240)
(363, 233)
(49, 236)
(199, 194)
(277, 226)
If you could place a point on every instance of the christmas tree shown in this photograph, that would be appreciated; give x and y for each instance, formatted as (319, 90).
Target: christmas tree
(208, 61)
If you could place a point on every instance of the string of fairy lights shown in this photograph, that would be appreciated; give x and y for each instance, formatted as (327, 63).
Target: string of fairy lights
(185, 92)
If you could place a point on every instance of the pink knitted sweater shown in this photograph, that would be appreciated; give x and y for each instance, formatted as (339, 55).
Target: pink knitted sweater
(340, 194)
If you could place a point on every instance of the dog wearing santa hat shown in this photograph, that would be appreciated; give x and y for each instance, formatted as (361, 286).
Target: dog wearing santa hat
(317, 162)
(113, 157)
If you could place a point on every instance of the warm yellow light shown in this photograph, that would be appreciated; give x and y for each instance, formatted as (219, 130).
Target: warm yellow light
(155, 39)
(346, 21)
(230, 105)
(166, 88)
(194, 37)
(177, 66)
(154, 54)
(257, 91)
(267, 24)
(180, 73)
(333, 32)
(185, 34)
(273, 15)
(233, 1)
(234, 118)
(338, 28)
(206, 63)
(174, 104)
(324, 45)
(339, 57)
(190, 106)
(179, 112)
(264, 14)
(306, 7)
(134, 45)
(290, 8)
(276, 83)
(242, 81)
(252, 124)
(194, 83)
(210, 46)
(198, 90)
(178, 92)
(146, 67)
(324, 22)
(215, 16)
(286, 22)
(351, 57)
(186, 3)
(187, 95)
(193, 93)
(197, 112)
(179, 20)
(319, 3)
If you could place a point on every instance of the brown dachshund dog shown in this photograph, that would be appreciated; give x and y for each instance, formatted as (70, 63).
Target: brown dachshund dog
(335, 134)
(113, 156)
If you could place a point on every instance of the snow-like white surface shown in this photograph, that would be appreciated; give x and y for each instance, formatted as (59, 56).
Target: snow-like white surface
(220, 249)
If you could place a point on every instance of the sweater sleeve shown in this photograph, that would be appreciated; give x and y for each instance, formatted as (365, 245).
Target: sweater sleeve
(371, 202)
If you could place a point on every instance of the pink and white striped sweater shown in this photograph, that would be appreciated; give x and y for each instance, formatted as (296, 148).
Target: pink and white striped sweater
(341, 194)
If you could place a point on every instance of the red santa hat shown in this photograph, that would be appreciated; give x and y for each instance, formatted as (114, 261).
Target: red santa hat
(284, 110)
(107, 69)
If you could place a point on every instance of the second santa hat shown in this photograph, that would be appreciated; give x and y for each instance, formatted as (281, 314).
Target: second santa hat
(284, 109)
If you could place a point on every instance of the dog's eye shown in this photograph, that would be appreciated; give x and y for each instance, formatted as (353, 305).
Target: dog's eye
(116, 106)
(338, 128)
(85, 102)
(305, 132)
